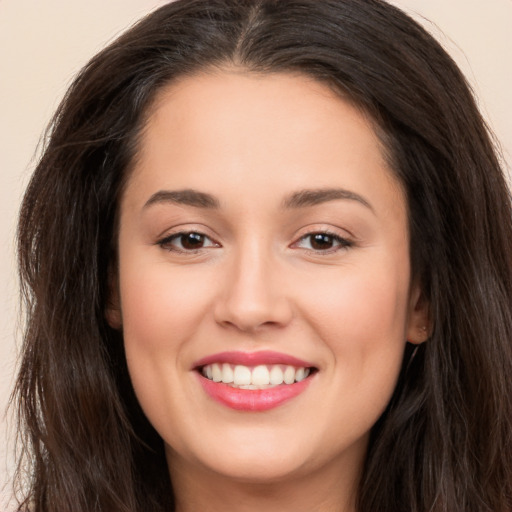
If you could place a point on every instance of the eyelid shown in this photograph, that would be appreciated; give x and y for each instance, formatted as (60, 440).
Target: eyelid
(343, 242)
(165, 241)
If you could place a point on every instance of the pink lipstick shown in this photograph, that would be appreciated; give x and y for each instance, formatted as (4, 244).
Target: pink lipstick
(252, 359)
(253, 381)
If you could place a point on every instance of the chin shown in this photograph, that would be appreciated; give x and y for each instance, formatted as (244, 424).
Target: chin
(259, 470)
(265, 460)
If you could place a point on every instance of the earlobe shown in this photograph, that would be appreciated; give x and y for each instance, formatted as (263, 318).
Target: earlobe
(418, 335)
(113, 305)
(113, 316)
(419, 326)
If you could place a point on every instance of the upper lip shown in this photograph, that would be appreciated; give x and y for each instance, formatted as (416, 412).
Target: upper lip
(253, 359)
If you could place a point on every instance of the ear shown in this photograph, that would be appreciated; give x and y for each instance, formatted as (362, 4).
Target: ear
(419, 325)
(113, 305)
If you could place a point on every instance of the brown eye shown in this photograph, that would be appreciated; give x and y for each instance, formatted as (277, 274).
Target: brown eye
(192, 241)
(323, 242)
(187, 242)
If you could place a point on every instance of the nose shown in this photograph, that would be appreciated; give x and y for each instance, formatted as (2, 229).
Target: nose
(253, 295)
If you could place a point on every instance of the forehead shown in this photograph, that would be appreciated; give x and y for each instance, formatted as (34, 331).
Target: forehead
(230, 128)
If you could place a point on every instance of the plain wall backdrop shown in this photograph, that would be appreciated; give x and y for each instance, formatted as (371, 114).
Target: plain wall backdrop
(44, 44)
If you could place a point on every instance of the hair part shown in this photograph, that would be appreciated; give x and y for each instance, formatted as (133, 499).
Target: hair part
(444, 443)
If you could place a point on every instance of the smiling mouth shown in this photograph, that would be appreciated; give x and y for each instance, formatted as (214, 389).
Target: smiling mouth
(254, 381)
(255, 377)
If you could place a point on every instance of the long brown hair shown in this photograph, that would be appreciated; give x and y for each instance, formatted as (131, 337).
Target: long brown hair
(445, 441)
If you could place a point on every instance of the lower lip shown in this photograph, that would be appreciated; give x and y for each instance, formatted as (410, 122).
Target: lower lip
(252, 399)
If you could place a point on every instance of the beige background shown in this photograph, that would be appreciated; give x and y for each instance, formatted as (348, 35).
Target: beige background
(43, 44)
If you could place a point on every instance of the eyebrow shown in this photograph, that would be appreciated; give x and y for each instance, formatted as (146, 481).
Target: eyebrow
(313, 197)
(300, 199)
(186, 197)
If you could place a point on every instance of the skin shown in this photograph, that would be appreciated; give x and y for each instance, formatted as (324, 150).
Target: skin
(256, 282)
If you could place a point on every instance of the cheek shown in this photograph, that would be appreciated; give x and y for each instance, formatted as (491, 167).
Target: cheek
(370, 304)
(161, 306)
(362, 320)
(162, 309)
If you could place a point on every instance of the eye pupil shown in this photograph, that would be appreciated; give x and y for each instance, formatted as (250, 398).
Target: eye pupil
(192, 240)
(321, 241)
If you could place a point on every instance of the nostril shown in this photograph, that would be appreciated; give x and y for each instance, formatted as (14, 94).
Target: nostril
(253, 316)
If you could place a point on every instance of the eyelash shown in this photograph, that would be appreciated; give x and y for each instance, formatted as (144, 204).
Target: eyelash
(166, 243)
(342, 243)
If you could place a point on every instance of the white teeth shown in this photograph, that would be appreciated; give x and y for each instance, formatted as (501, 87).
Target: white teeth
(276, 376)
(301, 374)
(227, 373)
(242, 375)
(260, 376)
(289, 375)
(216, 373)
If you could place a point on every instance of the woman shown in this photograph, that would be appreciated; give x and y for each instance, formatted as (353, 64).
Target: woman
(243, 211)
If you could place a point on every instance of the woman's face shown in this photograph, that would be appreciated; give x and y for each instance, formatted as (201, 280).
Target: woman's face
(263, 238)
